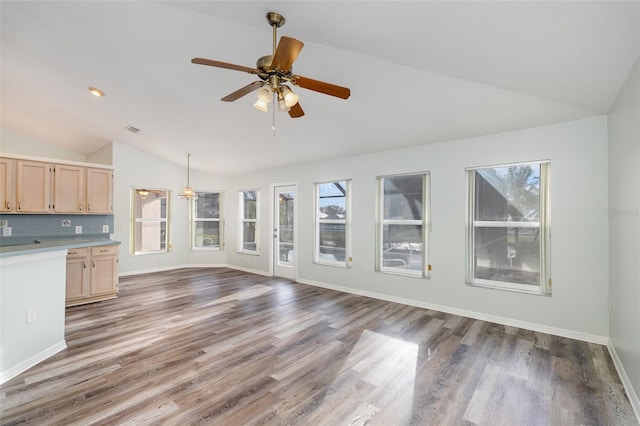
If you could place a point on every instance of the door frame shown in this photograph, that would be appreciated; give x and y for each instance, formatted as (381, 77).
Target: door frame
(273, 216)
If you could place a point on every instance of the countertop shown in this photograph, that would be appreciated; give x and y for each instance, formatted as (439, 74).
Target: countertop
(18, 246)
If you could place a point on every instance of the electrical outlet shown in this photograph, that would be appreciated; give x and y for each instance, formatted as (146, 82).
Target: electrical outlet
(66, 223)
(105, 229)
(31, 316)
(6, 231)
(79, 229)
(4, 223)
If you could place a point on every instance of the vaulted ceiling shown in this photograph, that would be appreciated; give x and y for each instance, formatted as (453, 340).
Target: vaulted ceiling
(419, 72)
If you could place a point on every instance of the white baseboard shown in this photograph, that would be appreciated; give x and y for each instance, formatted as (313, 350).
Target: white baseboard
(572, 334)
(626, 382)
(190, 265)
(251, 271)
(30, 362)
(151, 270)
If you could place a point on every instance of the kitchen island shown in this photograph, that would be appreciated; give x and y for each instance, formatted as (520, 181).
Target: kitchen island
(32, 298)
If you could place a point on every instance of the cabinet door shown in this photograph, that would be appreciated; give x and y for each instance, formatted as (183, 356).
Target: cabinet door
(33, 187)
(104, 274)
(7, 185)
(68, 189)
(77, 278)
(99, 191)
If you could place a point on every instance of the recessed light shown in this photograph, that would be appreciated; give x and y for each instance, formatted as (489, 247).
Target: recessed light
(96, 91)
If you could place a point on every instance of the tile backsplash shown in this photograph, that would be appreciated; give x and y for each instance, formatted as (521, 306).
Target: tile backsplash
(45, 225)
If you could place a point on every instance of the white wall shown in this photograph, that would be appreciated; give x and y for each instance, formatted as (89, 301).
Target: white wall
(36, 283)
(579, 260)
(13, 143)
(137, 169)
(103, 155)
(624, 226)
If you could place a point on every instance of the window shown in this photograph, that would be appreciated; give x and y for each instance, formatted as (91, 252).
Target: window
(333, 223)
(206, 221)
(150, 225)
(249, 222)
(508, 231)
(403, 225)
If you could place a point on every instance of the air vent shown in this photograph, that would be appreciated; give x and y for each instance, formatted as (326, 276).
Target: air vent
(132, 129)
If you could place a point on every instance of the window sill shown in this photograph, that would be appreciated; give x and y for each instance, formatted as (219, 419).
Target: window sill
(401, 273)
(333, 264)
(511, 287)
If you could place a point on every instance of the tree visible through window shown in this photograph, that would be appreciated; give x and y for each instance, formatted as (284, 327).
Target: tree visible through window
(508, 233)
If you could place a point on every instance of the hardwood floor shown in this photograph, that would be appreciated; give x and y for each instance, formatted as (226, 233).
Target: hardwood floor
(218, 346)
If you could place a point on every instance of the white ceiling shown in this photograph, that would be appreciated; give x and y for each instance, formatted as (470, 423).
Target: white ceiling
(419, 72)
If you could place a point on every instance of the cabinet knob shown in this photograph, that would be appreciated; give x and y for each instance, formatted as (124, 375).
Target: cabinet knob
(80, 207)
(8, 206)
(84, 265)
(19, 206)
(89, 207)
(94, 263)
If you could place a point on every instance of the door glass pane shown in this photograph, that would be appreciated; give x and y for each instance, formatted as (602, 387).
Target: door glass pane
(508, 194)
(285, 227)
(249, 236)
(332, 241)
(403, 197)
(207, 234)
(507, 255)
(402, 247)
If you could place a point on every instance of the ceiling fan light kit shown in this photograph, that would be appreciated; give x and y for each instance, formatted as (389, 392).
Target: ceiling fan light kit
(274, 71)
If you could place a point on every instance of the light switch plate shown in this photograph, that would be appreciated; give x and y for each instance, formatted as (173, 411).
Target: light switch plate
(6, 231)
(105, 229)
(79, 229)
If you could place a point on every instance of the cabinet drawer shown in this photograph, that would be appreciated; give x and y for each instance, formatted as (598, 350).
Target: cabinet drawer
(78, 252)
(104, 250)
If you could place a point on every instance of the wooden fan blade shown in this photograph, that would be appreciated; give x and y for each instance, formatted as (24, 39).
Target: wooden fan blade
(321, 86)
(218, 64)
(286, 52)
(242, 91)
(296, 111)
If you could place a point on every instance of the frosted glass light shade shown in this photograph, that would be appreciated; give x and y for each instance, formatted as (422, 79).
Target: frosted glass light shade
(261, 105)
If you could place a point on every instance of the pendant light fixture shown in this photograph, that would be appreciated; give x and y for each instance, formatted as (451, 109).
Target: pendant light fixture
(188, 192)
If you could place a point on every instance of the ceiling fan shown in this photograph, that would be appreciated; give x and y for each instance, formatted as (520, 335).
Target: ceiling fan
(274, 72)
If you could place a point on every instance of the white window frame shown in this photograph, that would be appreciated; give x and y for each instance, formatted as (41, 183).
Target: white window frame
(195, 220)
(135, 220)
(425, 272)
(242, 220)
(544, 287)
(346, 221)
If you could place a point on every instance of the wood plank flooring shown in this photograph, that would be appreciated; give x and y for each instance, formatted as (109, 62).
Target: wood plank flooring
(218, 346)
